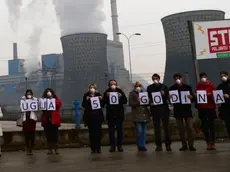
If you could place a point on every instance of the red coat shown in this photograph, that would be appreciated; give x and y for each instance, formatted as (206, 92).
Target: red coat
(209, 87)
(55, 115)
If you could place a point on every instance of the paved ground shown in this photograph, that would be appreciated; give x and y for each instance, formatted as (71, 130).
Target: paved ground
(74, 160)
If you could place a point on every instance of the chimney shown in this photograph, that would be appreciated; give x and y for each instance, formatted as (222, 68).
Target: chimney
(15, 51)
(115, 20)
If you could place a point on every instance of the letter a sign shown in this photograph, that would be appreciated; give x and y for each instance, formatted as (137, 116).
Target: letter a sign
(51, 104)
(218, 96)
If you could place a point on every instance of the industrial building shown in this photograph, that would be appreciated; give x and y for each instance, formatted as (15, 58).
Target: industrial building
(179, 57)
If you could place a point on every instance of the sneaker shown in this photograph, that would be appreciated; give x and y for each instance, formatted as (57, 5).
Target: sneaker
(158, 149)
(112, 149)
(191, 148)
(168, 148)
(213, 146)
(183, 148)
(120, 149)
(209, 147)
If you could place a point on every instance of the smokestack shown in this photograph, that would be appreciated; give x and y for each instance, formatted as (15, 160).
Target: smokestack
(15, 51)
(115, 20)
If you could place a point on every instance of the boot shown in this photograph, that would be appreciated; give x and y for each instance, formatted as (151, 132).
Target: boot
(158, 148)
(56, 148)
(168, 148)
(183, 148)
(209, 147)
(112, 149)
(50, 152)
(213, 146)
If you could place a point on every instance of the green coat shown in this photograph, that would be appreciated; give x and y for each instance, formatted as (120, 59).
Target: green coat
(140, 113)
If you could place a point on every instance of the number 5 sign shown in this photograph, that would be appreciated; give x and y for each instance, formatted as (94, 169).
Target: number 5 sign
(95, 103)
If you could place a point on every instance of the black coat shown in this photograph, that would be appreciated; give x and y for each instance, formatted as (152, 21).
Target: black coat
(162, 110)
(224, 109)
(91, 115)
(182, 110)
(115, 111)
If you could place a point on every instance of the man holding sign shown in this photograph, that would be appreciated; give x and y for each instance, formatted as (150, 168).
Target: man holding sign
(206, 109)
(93, 116)
(138, 100)
(115, 99)
(183, 111)
(158, 94)
(224, 110)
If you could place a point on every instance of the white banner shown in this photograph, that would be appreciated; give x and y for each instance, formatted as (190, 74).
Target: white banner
(218, 96)
(157, 98)
(202, 97)
(95, 103)
(184, 97)
(113, 98)
(144, 98)
(174, 96)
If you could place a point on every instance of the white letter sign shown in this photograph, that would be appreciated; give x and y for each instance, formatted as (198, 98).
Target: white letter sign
(218, 96)
(29, 105)
(95, 103)
(157, 98)
(184, 97)
(42, 104)
(202, 97)
(24, 106)
(144, 98)
(113, 98)
(51, 104)
(174, 96)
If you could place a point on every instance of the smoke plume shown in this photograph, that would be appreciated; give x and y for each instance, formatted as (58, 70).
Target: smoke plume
(79, 16)
(14, 13)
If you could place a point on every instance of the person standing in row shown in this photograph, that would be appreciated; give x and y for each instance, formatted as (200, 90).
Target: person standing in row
(183, 113)
(115, 115)
(160, 113)
(29, 124)
(93, 117)
(224, 110)
(51, 121)
(140, 116)
(207, 111)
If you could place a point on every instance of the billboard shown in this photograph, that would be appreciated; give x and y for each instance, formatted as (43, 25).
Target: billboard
(212, 39)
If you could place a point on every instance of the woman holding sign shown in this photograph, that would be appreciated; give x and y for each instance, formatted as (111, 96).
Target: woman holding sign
(140, 114)
(93, 116)
(206, 109)
(51, 119)
(115, 99)
(29, 122)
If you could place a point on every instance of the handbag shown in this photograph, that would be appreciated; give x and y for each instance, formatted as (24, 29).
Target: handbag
(20, 121)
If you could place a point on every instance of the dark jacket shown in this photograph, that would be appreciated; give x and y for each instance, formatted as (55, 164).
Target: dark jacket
(182, 110)
(140, 113)
(91, 115)
(115, 111)
(163, 109)
(224, 109)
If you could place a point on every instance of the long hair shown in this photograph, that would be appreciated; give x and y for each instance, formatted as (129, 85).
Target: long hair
(45, 93)
(29, 91)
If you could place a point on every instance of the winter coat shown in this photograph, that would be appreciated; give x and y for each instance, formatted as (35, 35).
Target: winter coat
(161, 110)
(209, 87)
(115, 111)
(140, 113)
(54, 115)
(182, 110)
(224, 109)
(91, 115)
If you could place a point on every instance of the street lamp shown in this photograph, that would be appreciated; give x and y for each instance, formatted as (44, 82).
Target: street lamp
(129, 48)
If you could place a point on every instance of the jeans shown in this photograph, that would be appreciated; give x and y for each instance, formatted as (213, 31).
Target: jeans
(140, 134)
(115, 125)
(188, 127)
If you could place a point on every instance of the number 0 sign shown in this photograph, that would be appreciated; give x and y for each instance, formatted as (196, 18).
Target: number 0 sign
(113, 98)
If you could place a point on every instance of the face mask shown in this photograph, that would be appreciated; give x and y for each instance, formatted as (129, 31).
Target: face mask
(224, 78)
(155, 81)
(113, 87)
(138, 89)
(178, 81)
(203, 79)
(29, 96)
(92, 90)
(49, 94)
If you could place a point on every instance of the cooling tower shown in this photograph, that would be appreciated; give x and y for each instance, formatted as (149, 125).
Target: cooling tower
(85, 62)
(178, 46)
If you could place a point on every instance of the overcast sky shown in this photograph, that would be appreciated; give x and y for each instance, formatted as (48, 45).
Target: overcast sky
(148, 50)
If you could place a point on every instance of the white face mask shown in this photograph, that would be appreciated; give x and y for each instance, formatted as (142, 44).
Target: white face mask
(92, 90)
(29, 97)
(155, 81)
(138, 89)
(113, 87)
(178, 81)
(203, 79)
(49, 94)
(224, 78)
